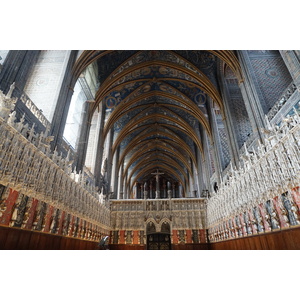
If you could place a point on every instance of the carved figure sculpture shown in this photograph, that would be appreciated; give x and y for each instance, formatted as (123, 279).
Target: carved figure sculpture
(7, 103)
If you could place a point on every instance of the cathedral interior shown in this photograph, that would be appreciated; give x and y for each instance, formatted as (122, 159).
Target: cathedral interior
(149, 150)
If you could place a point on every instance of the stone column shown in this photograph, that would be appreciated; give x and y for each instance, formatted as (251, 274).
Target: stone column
(291, 59)
(180, 190)
(83, 138)
(196, 176)
(164, 188)
(169, 186)
(136, 188)
(157, 189)
(216, 145)
(206, 163)
(115, 177)
(109, 158)
(250, 96)
(200, 177)
(145, 190)
(193, 180)
(63, 103)
(100, 145)
(173, 190)
(121, 182)
(151, 189)
(16, 68)
(229, 127)
(141, 191)
(126, 187)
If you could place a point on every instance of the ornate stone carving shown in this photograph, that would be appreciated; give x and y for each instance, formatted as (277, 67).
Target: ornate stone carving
(54, 223)
(7, 104)
(272, 215)
(291, 210)
(271, 169)
(20, 210)
(66, 225)
(40, 221)
(29, 167)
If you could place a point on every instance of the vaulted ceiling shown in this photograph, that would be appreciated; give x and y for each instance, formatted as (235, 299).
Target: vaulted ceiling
(156, 105)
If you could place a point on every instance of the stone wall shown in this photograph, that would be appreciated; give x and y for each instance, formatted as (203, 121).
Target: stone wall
(238, 112)
(45, 80)
(133, 220)
(270, 74)
(3, 54)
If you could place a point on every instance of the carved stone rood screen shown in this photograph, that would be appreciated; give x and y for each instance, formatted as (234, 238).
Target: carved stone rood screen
(28, 166)
(263, 194)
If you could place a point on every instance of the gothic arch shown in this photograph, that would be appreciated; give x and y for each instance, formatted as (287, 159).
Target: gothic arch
(203, 82)
(122, 108)
(163, 162)
(165, 220)
(89, 56)
(132, 126)
(151, 221)
(174, 141)
(169, 157)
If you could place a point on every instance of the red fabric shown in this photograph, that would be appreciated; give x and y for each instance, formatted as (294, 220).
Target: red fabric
(122, 237)
(175, 237)
(202, 236)
(9, 204)
(135, 237)
(296, 196)
(189, 236)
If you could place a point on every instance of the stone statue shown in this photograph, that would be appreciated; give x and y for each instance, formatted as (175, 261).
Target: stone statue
(293, 218)
(274, 224)
(145, 191)
(11, 89)
(7, 104)
(145, 195)
(294, 210)
(11, 119)
(274, 220)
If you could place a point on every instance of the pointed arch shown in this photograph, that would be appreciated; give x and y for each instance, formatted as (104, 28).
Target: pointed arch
(174, 139)
(144, 164)
(132, 126)
(124, 108)
(135, 158)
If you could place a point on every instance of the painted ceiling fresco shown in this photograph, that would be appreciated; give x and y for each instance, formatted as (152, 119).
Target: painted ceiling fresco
(156, 104)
